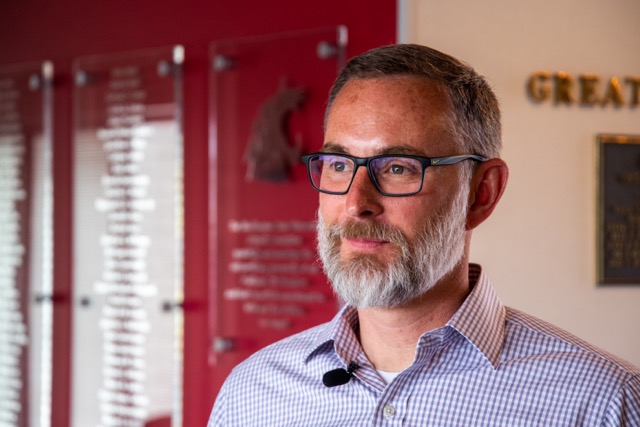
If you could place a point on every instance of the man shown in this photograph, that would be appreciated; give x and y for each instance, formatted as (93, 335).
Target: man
(409, 167)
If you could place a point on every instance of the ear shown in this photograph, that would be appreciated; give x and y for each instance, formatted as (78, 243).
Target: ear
(487, 185)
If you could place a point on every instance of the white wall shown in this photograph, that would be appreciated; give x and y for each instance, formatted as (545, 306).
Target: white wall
(539, 247)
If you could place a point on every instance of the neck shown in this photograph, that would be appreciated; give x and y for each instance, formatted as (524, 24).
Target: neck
(389, 335)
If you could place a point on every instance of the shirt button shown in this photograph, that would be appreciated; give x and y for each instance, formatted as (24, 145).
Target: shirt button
(389, 411)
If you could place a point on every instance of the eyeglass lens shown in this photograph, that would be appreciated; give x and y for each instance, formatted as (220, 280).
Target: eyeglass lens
(393, 175)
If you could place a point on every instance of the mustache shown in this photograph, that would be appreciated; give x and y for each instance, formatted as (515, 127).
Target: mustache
(367, 230)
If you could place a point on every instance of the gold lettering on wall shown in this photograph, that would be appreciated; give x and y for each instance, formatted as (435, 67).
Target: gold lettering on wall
(587, 89)
(613, 93)
(563, 84)
(537, 87)
(588, 84)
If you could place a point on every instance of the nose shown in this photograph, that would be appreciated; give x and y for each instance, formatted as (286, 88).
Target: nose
(363, 199)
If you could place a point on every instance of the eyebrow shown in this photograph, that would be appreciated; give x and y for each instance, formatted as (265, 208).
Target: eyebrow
(332, 147)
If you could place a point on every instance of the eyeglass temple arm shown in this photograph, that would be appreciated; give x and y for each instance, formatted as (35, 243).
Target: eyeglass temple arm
(437, 161)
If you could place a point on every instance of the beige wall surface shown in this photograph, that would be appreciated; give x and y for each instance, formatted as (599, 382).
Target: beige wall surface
(539, 247)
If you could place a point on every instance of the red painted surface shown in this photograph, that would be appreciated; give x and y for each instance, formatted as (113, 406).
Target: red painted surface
(64, 30)
(266, 108)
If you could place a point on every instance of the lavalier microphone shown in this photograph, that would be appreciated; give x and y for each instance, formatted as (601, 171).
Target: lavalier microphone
(339, 376)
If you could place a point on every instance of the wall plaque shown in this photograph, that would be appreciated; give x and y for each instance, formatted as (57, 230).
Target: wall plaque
(127, 263)
(25, 244)
(267, 101)
(619, 210)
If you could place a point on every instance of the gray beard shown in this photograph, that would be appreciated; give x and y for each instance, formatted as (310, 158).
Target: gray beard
(364, 282)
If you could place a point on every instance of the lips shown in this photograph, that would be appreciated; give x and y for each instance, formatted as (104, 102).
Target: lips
(366, 243)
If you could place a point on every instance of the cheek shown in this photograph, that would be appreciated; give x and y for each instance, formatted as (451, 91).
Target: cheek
(328, 207)
(411, 217)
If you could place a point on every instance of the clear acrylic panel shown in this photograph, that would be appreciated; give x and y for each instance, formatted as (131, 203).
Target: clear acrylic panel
(127, 264)
(267, 98)
(25, 244)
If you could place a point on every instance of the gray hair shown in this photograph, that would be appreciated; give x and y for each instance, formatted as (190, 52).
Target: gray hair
(476, 112)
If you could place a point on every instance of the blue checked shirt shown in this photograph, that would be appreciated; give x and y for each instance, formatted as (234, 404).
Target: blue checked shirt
(489, 366)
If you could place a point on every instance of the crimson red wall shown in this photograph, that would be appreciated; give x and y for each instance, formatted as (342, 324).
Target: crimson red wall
(63, 30)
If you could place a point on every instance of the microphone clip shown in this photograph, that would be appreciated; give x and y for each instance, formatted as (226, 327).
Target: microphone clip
(339, 376)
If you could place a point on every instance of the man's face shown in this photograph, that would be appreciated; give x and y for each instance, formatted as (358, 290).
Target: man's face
(381, 251)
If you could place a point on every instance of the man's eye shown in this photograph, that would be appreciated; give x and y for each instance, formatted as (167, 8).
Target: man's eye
(339, 166)
(397, 169)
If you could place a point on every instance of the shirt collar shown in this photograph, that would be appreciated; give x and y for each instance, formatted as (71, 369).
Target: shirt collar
(480, 320)
(342, 332)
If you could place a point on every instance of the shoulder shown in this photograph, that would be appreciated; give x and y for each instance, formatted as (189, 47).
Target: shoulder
(548, 357)
(270, 376)
(539, 336)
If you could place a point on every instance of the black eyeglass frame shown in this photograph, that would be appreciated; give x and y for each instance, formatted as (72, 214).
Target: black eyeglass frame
(366, 161)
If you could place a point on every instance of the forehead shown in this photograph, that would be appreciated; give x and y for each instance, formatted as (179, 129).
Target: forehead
(409, 112)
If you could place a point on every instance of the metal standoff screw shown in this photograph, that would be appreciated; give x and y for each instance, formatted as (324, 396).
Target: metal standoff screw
(164, 68)
(222, 345)
(81, 78)
(223, 62)
(169, 306)
(85, 301)
(35, 82)
(326, 50)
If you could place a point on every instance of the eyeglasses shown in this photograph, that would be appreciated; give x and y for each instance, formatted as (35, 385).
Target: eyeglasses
(392, 175)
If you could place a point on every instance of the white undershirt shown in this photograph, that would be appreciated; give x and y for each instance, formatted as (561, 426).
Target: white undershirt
(388, 376)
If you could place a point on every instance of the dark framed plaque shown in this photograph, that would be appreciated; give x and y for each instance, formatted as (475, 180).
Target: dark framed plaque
(267, 100)
(127, 263)
(619, 210)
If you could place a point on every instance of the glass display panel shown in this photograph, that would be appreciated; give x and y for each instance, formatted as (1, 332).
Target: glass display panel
(267, 100)
(25, 245)
(127, 263)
